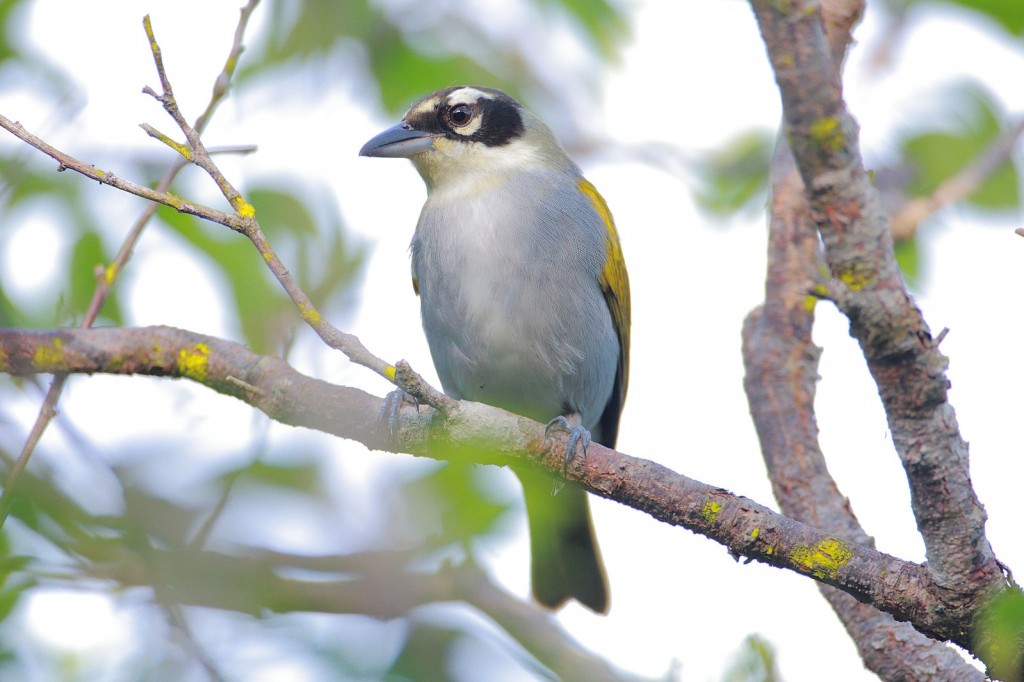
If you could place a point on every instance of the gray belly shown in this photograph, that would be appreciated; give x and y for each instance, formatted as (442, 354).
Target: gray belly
(535, 338)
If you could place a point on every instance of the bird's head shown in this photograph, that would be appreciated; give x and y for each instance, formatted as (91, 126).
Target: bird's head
(468, 131)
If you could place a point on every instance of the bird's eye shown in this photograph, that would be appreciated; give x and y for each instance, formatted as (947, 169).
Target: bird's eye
(460, 114)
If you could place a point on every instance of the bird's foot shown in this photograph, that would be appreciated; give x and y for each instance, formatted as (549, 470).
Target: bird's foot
(577, 435)
(392, 405)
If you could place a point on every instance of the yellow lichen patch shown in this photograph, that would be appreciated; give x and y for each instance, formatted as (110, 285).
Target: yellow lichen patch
(243, 207)
(389, 372)
(310, 314)
(810, 302)
(50, 357)
(193, 362)
(824, 559)
(710, 511)
(853, 279)
(754, 533)
(827, 132)
(175, 202)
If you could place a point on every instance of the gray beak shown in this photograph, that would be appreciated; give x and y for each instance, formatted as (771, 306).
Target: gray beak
(398, 142)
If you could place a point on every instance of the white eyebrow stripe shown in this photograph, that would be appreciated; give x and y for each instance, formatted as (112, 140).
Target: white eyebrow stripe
(472, 94)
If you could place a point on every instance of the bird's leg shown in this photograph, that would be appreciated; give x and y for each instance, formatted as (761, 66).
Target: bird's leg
(392, 404)
(577, 434)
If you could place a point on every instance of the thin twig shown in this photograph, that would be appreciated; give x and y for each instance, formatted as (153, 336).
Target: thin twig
(176, 615)
(905, 221)
(106, 276)
(245, 222)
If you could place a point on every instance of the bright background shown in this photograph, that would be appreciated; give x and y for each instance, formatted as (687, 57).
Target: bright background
(694, 77)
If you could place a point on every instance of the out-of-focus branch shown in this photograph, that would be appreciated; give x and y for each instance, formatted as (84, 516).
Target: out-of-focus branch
(481, 433)
(867, 286)
(905, 221)
(377, 584)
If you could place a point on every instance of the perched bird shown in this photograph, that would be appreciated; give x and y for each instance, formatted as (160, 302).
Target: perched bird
(524, 298)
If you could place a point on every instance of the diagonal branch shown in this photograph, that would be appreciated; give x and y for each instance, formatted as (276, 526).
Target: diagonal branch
(781, 363)
(902, 357)
(781, 373)
(479, 433)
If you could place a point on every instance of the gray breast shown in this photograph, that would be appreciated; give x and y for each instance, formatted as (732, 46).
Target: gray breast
(511, 302)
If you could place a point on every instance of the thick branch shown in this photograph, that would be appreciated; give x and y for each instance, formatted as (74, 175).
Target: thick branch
(480, 433)
(901, 354)
(781, 364)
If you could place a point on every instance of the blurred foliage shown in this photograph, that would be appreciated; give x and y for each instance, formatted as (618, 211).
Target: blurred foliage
(967, 121)
(908, 254)
(754, 662)
(734, 178)
(411, 52)
(155, 531)
(1004, 13)
(1000, 636)
(937, 155)
(57, 536)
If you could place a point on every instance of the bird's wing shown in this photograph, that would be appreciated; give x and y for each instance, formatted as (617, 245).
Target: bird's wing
(614, 281)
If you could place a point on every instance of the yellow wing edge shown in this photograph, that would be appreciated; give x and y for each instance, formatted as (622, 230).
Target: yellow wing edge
(614, 282)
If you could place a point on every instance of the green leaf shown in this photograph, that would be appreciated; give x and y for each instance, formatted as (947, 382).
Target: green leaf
(601, 21)
(9, 599)
(301, 477)
(754, 662)
(259, 302)
(404, 73)
(735, 177)
(456, 494)
(1007, 13)
(939, 155)
(87, 254)
(425, 654)
(305, 29)
(999, 636)
(908, 254)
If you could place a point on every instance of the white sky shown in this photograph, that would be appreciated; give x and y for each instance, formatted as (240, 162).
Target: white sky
(695, 76)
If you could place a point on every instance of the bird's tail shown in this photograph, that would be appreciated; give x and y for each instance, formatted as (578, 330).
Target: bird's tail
(565, 559)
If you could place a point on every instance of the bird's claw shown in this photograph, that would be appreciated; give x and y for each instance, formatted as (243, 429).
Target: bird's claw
(392, 405)
(577, 435)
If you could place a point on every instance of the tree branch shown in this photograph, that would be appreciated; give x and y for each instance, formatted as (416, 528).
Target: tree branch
(781, 366)
(377, 584)
(105, 276)
(481, 433)
(901, 355)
